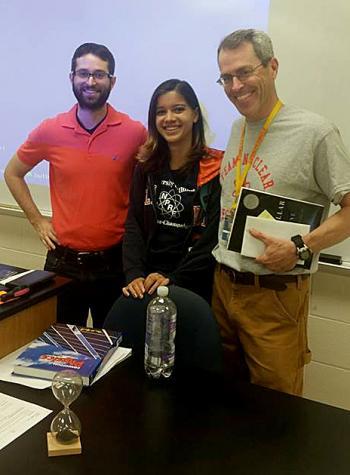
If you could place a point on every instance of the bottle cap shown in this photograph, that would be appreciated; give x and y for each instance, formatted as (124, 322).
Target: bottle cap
(162, 291)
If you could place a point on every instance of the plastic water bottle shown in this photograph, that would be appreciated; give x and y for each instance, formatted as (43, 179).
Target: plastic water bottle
(160, 335)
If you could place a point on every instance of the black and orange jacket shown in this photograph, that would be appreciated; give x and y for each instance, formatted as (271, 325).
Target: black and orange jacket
(195, 269)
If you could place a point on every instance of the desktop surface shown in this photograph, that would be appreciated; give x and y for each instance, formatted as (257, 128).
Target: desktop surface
(196, 425)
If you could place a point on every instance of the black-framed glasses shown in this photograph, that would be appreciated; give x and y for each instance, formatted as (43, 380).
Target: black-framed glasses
(242, 76)
(98, 75)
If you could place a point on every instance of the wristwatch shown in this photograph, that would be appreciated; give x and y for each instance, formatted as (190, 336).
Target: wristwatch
(303, 251)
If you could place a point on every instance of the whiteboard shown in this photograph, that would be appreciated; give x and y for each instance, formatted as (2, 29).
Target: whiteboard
(151, 40)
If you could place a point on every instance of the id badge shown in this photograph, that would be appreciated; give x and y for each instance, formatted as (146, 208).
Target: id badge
(227, 225)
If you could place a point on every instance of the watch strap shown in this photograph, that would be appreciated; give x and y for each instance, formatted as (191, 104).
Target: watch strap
(302, 250)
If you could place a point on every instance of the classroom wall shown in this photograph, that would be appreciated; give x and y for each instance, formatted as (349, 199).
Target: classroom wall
(19, 244)
(328, 375)
(311, 41)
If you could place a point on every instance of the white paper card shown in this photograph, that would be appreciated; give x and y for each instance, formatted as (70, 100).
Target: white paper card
(252, 247)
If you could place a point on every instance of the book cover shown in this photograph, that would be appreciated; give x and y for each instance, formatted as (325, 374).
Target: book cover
(32, 279)
(260, 204)
(64, 346)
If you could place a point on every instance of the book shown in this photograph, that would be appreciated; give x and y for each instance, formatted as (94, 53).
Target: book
(278, 215)
(63, 346)
(32, 279)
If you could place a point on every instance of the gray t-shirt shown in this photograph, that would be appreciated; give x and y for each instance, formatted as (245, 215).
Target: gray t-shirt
(302, 156)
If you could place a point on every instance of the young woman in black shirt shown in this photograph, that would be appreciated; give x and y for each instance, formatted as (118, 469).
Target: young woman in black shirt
(173, 218)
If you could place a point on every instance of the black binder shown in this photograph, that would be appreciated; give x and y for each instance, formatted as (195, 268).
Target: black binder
(34, 279)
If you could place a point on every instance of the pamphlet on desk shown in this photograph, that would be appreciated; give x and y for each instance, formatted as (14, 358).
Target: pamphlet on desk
(6, 272)
(279, 216)
(64, 346)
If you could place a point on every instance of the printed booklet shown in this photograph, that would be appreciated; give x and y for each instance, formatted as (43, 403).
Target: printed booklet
(277, 215)
(64, 346)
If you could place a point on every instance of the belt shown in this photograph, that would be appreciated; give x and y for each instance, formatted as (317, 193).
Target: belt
(87, 258)
(267, 281)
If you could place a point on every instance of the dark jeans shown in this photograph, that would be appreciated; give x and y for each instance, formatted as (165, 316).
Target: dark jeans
(95, 286)
(197, 337)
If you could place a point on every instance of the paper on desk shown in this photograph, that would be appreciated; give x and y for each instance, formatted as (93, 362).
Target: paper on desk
(7, 364)
(120, 355)
(16, 417)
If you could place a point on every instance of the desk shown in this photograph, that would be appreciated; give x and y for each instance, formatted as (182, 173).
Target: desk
(133, 427)
(25, 319)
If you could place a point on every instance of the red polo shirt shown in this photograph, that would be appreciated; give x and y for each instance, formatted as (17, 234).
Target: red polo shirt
(90, 175)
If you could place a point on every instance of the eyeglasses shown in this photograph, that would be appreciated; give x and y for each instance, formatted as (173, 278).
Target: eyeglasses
(242, 76)
(97, 75)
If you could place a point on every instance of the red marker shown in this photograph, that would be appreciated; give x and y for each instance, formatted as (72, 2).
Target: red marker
(14, 293)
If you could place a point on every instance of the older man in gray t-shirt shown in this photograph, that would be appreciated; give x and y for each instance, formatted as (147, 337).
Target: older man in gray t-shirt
(261, 304)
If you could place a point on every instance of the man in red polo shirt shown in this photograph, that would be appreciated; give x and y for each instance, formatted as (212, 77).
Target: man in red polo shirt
(90, 150)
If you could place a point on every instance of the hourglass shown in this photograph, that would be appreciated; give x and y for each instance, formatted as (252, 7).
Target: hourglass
(64, 438)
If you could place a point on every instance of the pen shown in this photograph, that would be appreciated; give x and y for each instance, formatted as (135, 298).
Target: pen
(14, 293)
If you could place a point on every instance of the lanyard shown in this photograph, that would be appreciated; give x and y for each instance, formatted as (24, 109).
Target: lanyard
(241, 177)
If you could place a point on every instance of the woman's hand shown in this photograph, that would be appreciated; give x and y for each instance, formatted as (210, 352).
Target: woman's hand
(153, 281)
(135, 288)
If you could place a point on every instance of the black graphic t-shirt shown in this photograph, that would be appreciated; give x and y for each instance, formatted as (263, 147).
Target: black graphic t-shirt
(173, 195)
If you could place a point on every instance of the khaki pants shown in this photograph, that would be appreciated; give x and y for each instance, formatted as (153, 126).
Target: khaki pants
(264, 330)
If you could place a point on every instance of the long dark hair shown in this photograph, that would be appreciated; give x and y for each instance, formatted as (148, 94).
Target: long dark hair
(155, 152)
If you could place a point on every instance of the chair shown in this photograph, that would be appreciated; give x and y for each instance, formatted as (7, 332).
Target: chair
(197, 341)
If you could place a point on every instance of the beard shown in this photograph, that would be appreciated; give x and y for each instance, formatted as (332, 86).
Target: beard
(94, 102)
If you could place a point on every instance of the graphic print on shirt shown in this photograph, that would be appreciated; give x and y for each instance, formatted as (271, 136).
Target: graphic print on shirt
(259, 177)
(258, 166)
(169, 204)
(174, 204)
